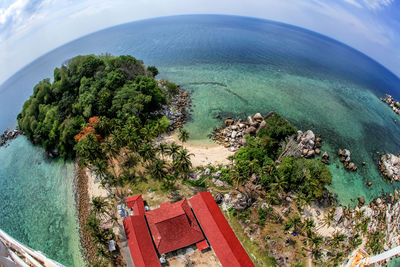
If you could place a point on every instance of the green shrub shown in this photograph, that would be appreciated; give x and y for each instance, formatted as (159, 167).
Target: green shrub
(262, 216)
(277, 128)
(172, 88)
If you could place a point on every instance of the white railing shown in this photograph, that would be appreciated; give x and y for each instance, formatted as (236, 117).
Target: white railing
(22, 255)
(385, 255)
(364, 259)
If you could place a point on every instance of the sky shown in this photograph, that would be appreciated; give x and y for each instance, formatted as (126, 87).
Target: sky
(31, 28)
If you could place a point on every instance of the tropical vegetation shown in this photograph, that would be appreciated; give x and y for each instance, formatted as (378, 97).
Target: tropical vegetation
(114, 89)
(306, 178)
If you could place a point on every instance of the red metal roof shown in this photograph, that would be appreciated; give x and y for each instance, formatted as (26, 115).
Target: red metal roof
(202, 245)
(140, 244)
(218, 232)
(173, 226)
(136, 204)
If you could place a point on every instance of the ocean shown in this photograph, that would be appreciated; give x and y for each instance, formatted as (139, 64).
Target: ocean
(233, 66)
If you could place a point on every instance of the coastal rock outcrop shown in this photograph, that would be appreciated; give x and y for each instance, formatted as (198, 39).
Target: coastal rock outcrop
(177, 110)
(345, 158)
(393, 104)
(325, 158)
(389, 165)
(232, 134)
(308, 144)
(9, 135)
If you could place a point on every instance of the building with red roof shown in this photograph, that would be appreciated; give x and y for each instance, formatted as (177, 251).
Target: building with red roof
(140, 244)
(173, 226)
(218, 232)
(177, 225)
(136, 204)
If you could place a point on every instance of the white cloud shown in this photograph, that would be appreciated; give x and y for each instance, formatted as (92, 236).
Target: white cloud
(339, 23)
(19, 15)
(370, 4)
(89, 11)
(377, 4)
(354, 3)
(13, 11)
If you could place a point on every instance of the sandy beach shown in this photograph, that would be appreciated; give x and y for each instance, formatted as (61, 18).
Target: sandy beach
(205, 154)
(95, 189)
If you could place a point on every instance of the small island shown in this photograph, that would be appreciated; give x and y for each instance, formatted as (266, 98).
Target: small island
(123, 129)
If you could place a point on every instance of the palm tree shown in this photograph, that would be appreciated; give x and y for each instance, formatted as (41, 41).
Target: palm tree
(328, 218)
(89, 150)
(309, 224)
(295, 223)
(173, 149)
(183, 135)
(182, 162)
(131, 161)
(158, 169)
(354, 241)
(315, 240)
(146, 151)
(92, 223)
(127, 177)
(100, 206)
(280, 184)
(100, 168)
(337, 238)
(111, 147)
(162, 149)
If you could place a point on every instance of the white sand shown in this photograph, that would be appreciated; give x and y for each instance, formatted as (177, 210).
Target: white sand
(94, 187)
(203, 154)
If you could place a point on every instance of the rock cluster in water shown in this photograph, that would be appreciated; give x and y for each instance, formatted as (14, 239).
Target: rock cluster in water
(308, 144)
(393, 104)
(389, 165)
(345, 158)
(9, 135)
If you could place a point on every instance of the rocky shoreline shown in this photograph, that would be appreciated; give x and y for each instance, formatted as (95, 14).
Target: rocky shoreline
(83, 210)
(178, 110)
(393, 104)
(9, 135)
(389, 165)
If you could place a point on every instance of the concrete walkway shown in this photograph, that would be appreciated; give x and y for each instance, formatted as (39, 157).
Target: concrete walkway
(125, 249)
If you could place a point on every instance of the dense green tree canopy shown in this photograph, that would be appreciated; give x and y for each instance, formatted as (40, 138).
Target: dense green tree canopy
(116, 89)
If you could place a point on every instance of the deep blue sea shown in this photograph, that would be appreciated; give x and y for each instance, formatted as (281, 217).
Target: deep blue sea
(233, 66)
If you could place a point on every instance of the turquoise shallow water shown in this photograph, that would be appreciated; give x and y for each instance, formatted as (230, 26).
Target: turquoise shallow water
(342, 112)
(37, 202)
(233, 66)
